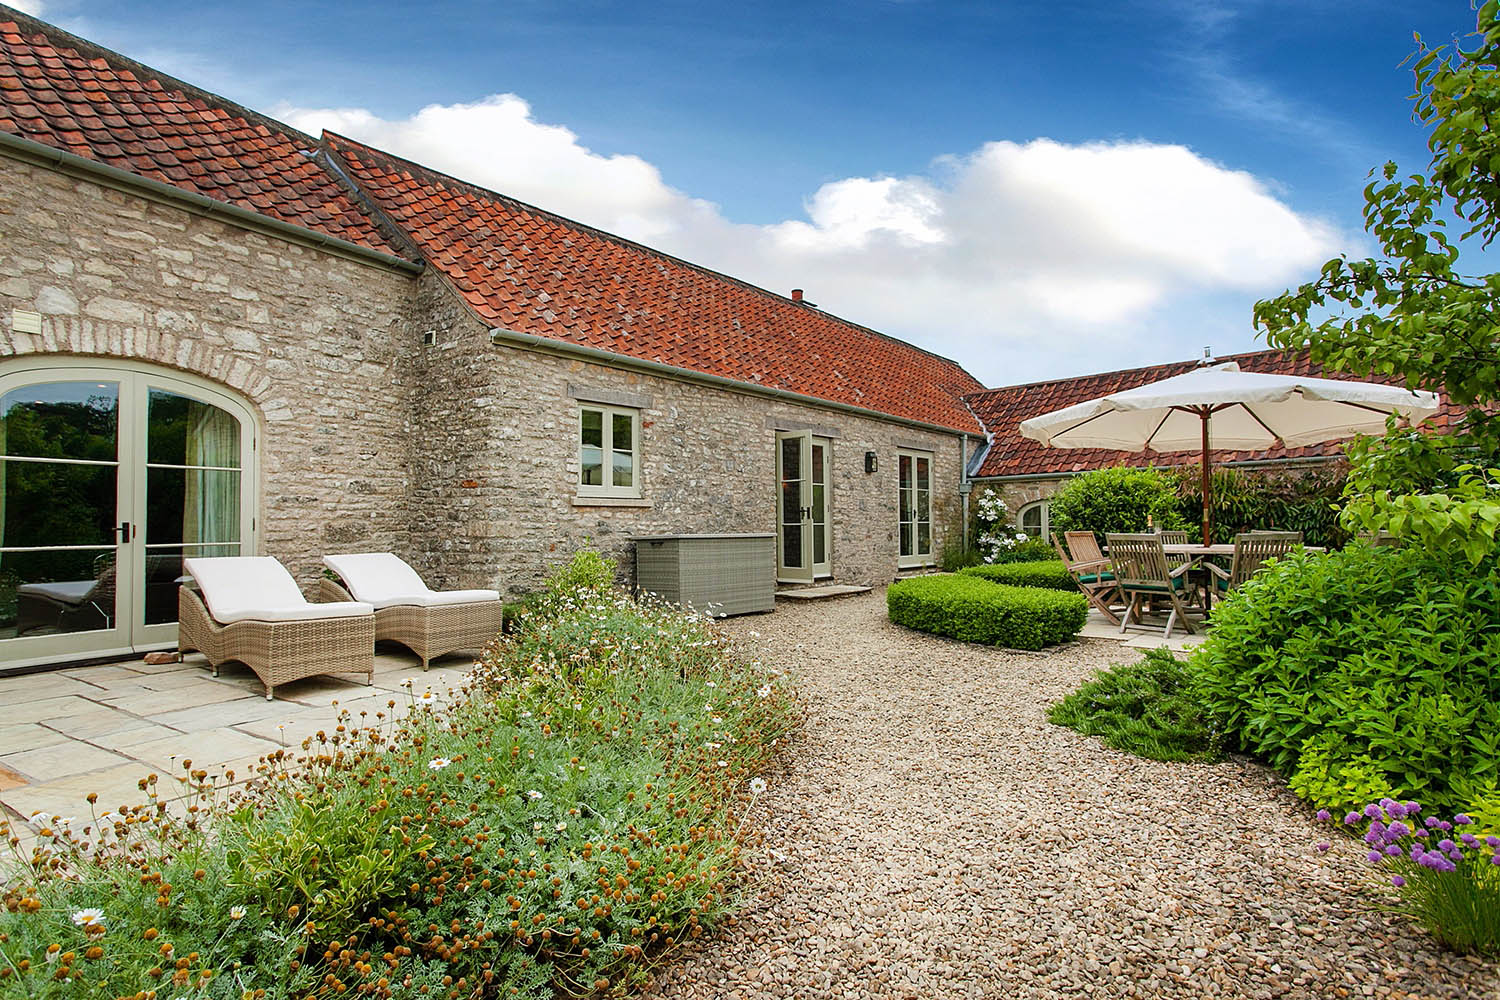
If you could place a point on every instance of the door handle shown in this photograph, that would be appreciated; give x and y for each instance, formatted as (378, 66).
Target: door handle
(123, 532)
(805, 513)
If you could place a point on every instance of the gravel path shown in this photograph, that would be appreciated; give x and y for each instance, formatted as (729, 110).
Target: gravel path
(934, 836)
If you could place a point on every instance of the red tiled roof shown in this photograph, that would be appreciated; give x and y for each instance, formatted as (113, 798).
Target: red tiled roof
(525, 269)
(1010, 454)
(69, 94)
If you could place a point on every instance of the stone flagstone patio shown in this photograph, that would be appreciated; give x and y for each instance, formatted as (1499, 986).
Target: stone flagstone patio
(103, 728)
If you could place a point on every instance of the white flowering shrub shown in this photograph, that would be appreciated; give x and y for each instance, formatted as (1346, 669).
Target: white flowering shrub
(995, 529)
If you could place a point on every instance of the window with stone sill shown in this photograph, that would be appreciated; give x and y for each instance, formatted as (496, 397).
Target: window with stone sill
(1034, 519)
(609, 452)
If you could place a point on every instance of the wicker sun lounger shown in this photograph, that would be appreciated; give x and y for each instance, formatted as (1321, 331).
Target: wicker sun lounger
(431, 623)
(252, 611)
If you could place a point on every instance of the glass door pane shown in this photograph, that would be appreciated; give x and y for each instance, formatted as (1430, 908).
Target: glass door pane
(905, 502)
(820, 513)
(794, 507)
(192, 494)
(60, 506)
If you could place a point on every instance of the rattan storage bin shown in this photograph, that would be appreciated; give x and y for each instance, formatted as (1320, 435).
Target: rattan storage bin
(722, 574)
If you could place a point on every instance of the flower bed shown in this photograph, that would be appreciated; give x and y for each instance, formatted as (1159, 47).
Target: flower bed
(971, 609)
(569, 813)
(1049, 574)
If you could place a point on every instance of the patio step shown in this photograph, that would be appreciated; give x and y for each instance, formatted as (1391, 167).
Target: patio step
(822, 593)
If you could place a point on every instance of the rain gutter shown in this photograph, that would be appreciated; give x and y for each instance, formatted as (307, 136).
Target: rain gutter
(81, 167)
(547, 345)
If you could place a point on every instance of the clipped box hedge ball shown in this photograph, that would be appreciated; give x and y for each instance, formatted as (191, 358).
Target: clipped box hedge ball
(974, 610)
(1050, 574)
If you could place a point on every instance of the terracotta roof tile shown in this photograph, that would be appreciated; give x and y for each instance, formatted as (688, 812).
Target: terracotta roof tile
(1010, 454)
(69, 94)
(524, 269)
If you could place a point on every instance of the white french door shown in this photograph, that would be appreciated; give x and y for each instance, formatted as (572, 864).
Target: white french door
(111, 475)
(914, 506)
(804, 510)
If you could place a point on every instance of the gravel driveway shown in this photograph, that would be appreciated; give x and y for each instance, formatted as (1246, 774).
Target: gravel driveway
(934, 836)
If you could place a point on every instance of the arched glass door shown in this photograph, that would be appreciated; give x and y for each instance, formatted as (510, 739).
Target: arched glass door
(109, 478)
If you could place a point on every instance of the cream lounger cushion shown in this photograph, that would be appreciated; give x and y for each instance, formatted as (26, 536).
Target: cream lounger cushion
(385, 581)
(259, 589)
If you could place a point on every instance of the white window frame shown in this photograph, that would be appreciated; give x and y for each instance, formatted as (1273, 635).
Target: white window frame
(608, 490)
(1046, 525)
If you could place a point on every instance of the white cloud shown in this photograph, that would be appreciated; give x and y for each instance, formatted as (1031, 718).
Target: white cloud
(32, 7)
(1019, 260)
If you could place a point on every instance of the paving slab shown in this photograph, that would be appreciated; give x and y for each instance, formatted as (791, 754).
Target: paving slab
(820, 593)
(205, 750)
(27, 736)
(29, 688)
(189, 695)
(220, 714)
(117, 786)
(94, 721)
(61, 760)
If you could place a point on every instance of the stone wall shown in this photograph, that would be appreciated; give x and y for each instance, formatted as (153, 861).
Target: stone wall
(461, 455)
(494, 478)
(316, 343)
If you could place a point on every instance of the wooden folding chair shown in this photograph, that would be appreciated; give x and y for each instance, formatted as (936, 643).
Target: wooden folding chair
(1141, 567)
(1091, 574)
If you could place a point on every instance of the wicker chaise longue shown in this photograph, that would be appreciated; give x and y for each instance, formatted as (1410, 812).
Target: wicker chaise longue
(429, 622)
(251, 610)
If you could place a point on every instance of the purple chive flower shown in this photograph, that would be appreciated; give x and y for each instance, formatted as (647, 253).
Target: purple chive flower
(1393, 850)
(1374, 857)
(1492, 840)
(1462, 819)
(1372, 836)
(1445, 844)
(1397, 830)
(1397, 881)
(1323, 847)
(1419, 833)
(1323, 816)
(1397, 810)
(1469, 839)
(1372, 811)
(1412, 808)
(1495, 860)
(1351, 819)
(1432, 821)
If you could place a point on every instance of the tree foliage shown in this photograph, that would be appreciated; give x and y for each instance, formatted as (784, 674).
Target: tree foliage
(1413, 313)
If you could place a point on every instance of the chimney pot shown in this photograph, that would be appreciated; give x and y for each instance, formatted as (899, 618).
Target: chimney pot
(796, 295)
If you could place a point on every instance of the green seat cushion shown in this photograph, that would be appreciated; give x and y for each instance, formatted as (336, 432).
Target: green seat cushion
(1096, 578)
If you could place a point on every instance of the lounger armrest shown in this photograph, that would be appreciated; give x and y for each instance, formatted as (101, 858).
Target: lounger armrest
(1091, 564)
(1180, 570)
(1218, 570)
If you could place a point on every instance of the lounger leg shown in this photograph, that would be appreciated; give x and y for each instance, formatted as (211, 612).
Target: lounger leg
(270, 692)
(1171, 619)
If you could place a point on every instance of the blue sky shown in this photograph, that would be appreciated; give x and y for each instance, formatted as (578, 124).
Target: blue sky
(887, 156)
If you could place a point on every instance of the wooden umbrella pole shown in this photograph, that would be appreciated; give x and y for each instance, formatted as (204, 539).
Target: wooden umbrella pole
(1203, 415)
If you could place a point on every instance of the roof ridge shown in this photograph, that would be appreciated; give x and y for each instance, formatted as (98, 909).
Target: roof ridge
(449, 180)
(1127, 371)
(61, 37)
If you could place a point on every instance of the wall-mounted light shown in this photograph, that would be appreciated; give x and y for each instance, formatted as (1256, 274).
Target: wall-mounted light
(871, 461)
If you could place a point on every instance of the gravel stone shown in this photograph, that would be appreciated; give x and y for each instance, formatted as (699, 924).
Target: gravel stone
(932, 835)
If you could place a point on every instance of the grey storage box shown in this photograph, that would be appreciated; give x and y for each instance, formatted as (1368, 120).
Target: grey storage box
(721, 574)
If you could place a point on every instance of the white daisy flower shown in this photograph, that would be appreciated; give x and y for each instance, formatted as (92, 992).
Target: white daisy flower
(236, 912)
(533, 795)
(764, 691)
(91, 916)
(438, 763)
(757, 785)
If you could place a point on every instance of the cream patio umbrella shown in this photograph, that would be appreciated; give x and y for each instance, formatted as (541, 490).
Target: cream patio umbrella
(1249, 411)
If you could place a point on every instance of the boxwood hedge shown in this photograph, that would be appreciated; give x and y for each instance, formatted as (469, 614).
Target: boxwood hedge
(974, 610)
(1049, 574)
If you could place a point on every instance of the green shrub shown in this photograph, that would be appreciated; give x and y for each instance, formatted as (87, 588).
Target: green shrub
(955, 557)
(1031, 550)
(967, 608)
(551, 827)
(1049, 574)
(1258, 499)
(1363, 673)
(1149, 708)
(1116, 499)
